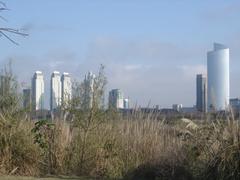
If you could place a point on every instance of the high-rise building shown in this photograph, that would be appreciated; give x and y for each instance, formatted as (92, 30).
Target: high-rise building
(55, 91)
(38, 91)
(218, 78)
(116, 99)
(201, 87)
(66, 87)
(88, 90)
(235, 104)
(126, 103)
(177, 107)
(27, 98)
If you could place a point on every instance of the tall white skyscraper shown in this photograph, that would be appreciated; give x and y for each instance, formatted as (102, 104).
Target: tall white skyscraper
(55, 90)
(218, 77)
(116, 99)
(38, 91)
(66, 87)
(88, 90)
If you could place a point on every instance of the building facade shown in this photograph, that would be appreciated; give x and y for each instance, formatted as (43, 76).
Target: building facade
(218, 78)
(88, 98)
(116, 99)
(55, 91)
(201, 93)
(126, 103)
(27, 98)
(177, 107)
(235, 104)
(38, 91)
(66, 88)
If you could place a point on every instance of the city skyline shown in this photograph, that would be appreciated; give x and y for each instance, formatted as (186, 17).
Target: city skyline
(212, 90)
(149, 52)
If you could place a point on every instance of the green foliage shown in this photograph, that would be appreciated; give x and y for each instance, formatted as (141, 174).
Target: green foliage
(42, 130)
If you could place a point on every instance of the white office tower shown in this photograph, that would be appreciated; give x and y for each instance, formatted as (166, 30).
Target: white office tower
(89, 90)
(116, 99)
(66, 88)
(55, 91)
(218, 78)
(38, 91)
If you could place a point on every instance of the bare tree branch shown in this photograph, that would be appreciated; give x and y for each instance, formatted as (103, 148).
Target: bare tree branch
(15, 31)
(4, 31)
(6, 36)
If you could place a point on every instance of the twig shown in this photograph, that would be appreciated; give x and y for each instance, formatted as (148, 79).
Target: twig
(4, 31)
(6, 36)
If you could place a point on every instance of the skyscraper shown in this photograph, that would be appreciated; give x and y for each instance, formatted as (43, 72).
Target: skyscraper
(38, 91)
(27, 98)
(88, 90)
(66, 88)
(177, 107)
(55, 91)
(201, 92)
(116, 99)
(126, 103)
(218, 77)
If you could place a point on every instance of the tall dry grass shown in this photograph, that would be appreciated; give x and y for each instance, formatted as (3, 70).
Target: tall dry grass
(133, 147)
(18, 153)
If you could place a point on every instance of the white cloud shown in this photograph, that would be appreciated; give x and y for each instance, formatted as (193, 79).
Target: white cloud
(134, 67)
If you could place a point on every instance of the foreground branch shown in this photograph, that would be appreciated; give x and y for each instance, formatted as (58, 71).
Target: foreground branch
(4, 31)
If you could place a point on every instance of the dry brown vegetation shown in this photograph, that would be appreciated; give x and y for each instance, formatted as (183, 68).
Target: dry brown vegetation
(104, 144)
(133, 149)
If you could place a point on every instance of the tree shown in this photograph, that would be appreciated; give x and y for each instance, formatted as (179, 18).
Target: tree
(5, 31)
(10, 101)
(87, 113)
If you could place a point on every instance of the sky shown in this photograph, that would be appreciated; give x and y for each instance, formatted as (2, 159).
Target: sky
(152, 49)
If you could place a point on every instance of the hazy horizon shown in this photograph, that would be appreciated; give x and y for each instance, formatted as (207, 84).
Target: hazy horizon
(152, 50)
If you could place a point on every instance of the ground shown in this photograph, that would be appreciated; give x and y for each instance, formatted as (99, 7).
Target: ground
(47, 178)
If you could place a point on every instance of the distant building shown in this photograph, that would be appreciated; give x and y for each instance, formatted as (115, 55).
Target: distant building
(89, 90)
(66, 87)
(115, 99)
(201, 92)
(189, 109)
(126, 103)
(38, 91)
(55, 91)
(235, 103)
(177, 107)
(27, 98)
(218, 78)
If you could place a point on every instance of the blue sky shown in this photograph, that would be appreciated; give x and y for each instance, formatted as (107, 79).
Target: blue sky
(152, 49)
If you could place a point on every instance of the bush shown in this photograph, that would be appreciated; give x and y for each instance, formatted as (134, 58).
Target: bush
(18, 154)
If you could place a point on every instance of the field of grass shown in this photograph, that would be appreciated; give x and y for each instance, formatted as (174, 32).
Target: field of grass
(127, 148)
